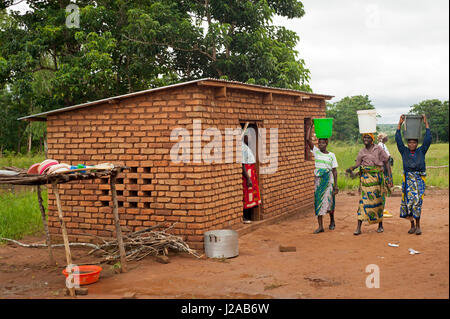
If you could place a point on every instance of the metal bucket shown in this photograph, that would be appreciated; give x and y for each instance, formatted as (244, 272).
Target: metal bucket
(413, 126)
(221, 243)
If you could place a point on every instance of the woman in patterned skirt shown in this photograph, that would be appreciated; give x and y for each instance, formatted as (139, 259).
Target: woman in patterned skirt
(325, 181)
(414, 173)
(372, 160)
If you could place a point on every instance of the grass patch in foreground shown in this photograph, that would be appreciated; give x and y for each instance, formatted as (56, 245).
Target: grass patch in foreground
(20, 214)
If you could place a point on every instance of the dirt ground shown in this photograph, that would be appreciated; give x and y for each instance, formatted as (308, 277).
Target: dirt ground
(327, 265)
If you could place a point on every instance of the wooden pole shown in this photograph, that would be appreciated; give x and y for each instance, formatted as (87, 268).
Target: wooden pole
(64, 233)
(51, 260)
(30, 140)
(123, 260)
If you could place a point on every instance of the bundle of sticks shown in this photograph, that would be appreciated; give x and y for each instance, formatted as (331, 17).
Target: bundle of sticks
(137, 244)
(142, 243)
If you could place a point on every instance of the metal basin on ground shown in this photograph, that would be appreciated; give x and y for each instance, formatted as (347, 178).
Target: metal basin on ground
(221, 243)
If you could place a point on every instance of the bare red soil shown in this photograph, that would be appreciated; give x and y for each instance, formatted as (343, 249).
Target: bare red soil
(326, 265)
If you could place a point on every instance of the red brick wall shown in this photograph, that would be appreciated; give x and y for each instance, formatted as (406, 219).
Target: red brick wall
(136, 132)
(291, 188)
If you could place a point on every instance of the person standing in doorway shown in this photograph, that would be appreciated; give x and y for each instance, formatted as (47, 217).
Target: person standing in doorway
(250, 185)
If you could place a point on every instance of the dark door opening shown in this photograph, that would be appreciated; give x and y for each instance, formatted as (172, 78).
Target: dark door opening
(307, 123)
(253, 213)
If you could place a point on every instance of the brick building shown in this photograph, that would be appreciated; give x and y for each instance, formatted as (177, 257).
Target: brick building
(135, 130)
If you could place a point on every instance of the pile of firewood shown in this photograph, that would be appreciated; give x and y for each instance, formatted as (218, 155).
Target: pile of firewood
(143, 243)
(137, 245)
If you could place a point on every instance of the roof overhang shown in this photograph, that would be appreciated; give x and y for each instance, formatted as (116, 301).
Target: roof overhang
(221, 85)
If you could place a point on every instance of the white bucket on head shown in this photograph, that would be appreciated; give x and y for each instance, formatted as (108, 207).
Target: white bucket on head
(367, 120)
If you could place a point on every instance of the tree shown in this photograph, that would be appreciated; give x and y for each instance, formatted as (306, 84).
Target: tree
(126, 46)
(437, 113)
(239, 42)
(12, 132)
(345, 123)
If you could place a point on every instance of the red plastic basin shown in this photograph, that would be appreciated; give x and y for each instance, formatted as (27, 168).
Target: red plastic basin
(86, 275)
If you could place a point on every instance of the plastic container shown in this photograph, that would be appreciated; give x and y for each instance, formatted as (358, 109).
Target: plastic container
(58, 168)
(45, 165)
(85, 275)
(221, 243)
(33, 169)
(413, 126)
(78, 167)
(367, 120)
(323, 127)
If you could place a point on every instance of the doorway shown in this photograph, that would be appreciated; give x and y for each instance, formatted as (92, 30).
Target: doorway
(252, 207)
(307, 123)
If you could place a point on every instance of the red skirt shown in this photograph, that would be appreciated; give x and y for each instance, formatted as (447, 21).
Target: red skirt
(252, 197)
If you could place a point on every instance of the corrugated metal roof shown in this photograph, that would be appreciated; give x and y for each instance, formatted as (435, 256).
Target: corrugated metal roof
(43, 115)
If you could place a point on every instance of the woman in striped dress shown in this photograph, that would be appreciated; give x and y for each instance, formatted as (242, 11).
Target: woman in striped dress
(325, 181)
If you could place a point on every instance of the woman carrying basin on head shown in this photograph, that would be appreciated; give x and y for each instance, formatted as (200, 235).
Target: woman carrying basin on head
(325, 181)
(414, 173)
(372, 160)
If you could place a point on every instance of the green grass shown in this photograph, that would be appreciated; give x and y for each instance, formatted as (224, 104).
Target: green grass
(20, 161)
(19, 211)
(437, 155)
(20, 214)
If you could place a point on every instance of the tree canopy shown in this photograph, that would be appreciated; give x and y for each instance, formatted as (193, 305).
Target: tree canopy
(126, 46)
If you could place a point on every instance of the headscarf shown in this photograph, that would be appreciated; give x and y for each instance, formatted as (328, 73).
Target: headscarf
(371, 135)
(381, 136)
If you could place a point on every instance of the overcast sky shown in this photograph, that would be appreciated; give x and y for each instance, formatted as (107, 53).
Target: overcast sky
(396, 52)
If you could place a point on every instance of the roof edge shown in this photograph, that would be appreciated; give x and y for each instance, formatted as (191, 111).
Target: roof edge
(232, 84)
